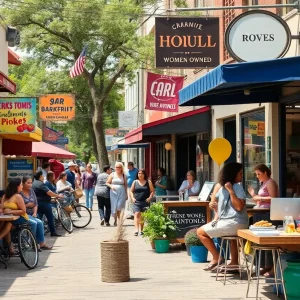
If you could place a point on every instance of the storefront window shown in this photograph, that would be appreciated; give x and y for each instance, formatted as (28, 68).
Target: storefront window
(253, 139)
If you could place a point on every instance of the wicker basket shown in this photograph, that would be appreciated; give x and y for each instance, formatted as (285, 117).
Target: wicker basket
(115, 261)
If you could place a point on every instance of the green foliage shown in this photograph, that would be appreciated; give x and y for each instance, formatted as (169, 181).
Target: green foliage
(157, 223)
(55, 32)
(191, 238)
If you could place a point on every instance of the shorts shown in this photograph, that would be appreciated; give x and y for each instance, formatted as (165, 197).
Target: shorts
(140, 207)
(223, 228)
(19, 221)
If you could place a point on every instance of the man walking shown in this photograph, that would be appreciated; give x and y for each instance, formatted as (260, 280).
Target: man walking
(131, 176)
(102, 193)
(71, 174)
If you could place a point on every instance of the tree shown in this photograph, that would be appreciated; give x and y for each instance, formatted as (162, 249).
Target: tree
(35, 79)
(57, 31)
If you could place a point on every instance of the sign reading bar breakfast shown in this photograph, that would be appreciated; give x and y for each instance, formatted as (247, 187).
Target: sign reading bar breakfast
(57, 107)
(257, 35)
(17, 115)
(187, 42)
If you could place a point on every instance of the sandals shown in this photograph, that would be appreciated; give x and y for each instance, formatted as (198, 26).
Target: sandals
(212, 267)
(45, 247)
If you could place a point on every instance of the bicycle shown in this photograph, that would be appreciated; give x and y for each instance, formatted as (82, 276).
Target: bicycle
(60, 217)
(24, 245)
(80, 215)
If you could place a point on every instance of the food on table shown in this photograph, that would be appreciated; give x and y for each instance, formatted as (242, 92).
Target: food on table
(290, 228)
(263, 223)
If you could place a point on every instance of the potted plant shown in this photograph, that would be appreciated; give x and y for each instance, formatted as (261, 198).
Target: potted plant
(187, 239)
(115, 256)
(159, 228)
(198, 251)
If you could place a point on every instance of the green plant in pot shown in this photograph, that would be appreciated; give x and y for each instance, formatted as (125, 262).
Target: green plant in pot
(198, 251)
(159, 228)
(190, 239)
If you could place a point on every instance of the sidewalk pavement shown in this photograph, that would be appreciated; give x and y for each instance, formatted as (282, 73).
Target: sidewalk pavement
(72, 271)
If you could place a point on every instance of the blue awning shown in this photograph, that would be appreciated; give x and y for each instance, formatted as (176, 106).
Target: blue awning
(226, 84)
(130, 146)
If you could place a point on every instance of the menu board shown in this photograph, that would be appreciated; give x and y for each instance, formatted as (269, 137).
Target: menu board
(19, 167)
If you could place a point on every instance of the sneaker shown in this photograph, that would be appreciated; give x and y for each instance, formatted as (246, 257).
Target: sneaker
(141, 233)
(136, 234)
(102, 222)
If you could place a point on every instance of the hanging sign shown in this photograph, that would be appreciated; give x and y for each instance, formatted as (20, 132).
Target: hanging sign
(187, 42)
(57, 107)
(17, 115)
(257, 35)
(162, 92)
(128, 119)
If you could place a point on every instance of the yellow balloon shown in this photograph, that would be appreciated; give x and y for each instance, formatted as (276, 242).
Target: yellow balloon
(219, 150)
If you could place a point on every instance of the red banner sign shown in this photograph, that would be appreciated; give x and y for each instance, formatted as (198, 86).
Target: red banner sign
(162, 92)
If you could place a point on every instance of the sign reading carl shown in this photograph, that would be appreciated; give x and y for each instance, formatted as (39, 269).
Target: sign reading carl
(57, 107)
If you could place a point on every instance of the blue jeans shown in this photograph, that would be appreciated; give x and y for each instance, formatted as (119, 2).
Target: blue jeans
(89, 194)
(45, 208)
(37, 228)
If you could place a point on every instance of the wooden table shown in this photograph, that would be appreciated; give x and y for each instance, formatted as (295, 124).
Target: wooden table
(8, 218)
(252, 211)
(287, 241)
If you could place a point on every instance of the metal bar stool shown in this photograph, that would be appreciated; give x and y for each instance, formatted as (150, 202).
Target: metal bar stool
(275, 250)
(240, 246)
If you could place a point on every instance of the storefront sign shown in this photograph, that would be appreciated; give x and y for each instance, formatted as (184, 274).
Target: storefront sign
(52, 136)
(257, 128)
(57, 107)
(17, 115)
(19, 167)
(187, 217)
(257, 35)
(128, 119)
(116, 132)
(162, 92)
(187, 42)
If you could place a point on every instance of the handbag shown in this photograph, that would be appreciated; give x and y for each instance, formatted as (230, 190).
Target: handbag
(78, 193)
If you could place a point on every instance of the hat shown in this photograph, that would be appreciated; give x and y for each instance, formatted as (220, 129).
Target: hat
(71, 164)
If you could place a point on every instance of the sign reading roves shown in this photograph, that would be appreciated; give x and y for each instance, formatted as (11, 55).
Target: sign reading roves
(257, 35)
(187, 42)
(57, 107)
(17, 115)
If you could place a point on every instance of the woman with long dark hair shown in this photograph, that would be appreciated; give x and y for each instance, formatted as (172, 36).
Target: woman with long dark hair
(141, 194)
(232, 214)
(43, 195)
(31, 204)
(161, 182)
(12, 204)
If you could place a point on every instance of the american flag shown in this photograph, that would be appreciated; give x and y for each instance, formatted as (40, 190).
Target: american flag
(77, 69)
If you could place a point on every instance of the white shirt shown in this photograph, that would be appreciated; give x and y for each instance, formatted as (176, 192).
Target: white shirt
(194, 190)
(60, 185)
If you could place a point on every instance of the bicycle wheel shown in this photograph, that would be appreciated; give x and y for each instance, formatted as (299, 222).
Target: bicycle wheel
(46, 225)
(28, 249)
(81, 216)
(65, 220)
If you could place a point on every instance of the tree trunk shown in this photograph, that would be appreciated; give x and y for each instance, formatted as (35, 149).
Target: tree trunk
(93, 138)
(100, 136)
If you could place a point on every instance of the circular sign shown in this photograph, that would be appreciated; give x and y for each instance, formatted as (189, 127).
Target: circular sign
(257, 35)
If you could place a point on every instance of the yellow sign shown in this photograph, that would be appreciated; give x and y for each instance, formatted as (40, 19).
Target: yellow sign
(17, 115)
(219, 150)
(261, 128)
(253, 127)
(57, 107)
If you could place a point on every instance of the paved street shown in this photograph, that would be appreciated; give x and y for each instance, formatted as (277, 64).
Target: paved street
(72, 271)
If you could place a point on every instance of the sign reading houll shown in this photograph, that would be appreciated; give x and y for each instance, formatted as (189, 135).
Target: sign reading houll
(186, 42)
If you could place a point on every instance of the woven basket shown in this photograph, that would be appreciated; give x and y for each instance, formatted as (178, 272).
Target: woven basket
(115, 261)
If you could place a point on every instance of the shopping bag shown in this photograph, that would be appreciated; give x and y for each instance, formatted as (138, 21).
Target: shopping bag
(78, 193)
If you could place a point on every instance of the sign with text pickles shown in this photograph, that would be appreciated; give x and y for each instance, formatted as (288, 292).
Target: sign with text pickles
(17, 115)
